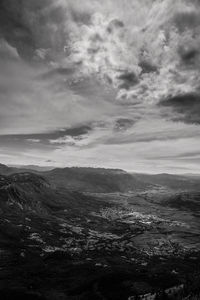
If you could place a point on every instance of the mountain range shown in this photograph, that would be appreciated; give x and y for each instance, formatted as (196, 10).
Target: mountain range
(100, 180)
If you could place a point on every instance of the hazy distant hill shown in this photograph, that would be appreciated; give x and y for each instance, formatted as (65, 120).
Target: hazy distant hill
(85, 179)
(100, 180)
(32, 167)
(115, 180)
(95, 180)
(176, 182)
(5, 170)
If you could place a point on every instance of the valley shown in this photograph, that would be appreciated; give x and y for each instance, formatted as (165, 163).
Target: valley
(129, 238)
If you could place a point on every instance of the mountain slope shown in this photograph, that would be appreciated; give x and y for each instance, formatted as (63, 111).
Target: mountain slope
(95, 180)
(30, 192)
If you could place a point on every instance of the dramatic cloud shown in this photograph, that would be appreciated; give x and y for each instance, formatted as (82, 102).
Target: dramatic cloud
(123, 124)
(187, 106)
(100, 81)
(123, 51)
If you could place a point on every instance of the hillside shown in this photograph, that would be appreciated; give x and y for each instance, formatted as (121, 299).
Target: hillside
(95, 180)
(28, 192)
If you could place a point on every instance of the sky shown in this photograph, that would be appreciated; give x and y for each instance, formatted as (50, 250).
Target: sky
(101, 83)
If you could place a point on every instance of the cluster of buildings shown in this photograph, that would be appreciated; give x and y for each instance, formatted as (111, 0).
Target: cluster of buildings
(170, 292)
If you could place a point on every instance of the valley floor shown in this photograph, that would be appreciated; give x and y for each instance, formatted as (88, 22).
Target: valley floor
(107, 246)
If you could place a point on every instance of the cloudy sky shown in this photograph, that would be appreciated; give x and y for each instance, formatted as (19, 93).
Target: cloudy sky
(110, 83)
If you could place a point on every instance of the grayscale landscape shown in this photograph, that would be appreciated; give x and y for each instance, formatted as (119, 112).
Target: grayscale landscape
(100, 149)
(85, 233)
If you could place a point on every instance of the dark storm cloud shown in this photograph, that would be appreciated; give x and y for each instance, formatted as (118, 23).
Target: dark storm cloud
(186, 20)
(33, 24)
(76, 131)
(15, 27)
(188, 55)
(188, 24)
(44, 138)
(123, 124)
(82, 18)
(127, 80)
(147, 67)
(186, 105)
(114, 25)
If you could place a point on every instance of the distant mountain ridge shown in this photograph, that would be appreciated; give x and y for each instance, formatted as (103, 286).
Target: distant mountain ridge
(96, 180)
(101, 180)
(32, 167)
(5, 170)
(172, 181)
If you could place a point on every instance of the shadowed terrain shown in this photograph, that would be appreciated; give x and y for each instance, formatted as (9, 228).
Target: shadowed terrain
(83, 233)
